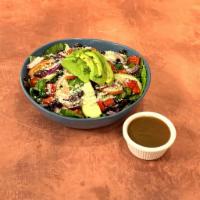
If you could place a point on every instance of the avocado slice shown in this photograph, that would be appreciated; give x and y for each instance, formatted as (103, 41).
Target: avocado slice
(97, 61)
(90, 107)
(77, 67)
(78, 52)
(107, 68)
(93, 69)
(97, 56)
(88, 60)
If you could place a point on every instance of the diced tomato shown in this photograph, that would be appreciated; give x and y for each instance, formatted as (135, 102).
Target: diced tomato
(113, 68)
(104, 104)
(69, 51)
(101, 105)
(70, 77)
(52, 88)
(48, 100)
(136, 89)
(133, 59)
(122, 71)
(133, 86)
(33, 81)
(109, 102)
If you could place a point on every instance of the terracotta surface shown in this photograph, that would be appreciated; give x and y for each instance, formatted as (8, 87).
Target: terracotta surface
(42, 160)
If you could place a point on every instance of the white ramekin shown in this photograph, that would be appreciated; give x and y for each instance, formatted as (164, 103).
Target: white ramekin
(148, 153)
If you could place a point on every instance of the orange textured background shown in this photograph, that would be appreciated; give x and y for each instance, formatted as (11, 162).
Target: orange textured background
(42, 160)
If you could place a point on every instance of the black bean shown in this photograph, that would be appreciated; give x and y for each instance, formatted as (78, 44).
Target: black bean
(60, 67)
(118, 61)
(121, 103)
(77, 45)
(53, 105)
(123, 51)
(102, 52)
(49, 107)
(115, 109)
(34, 93)
(58, 104)
(57, 57)
(80, 93)
(26, 83)
(73, 98)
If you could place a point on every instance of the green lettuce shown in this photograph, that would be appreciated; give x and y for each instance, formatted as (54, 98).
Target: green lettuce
(40, 87)
(135, 97)
(143, 74)
(70, 113)
(55, 48)
(31, 58)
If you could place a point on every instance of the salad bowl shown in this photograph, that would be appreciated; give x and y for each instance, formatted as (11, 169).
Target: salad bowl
(86, 122)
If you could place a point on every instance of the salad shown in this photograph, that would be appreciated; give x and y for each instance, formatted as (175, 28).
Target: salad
(83, 82)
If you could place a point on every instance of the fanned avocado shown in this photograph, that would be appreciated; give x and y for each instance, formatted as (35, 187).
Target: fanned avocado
(107, 68)
(90, 107)
(97, 61)
(100, 66)
(93, 69)
(88, 60)
(77, 67)
(89, 65)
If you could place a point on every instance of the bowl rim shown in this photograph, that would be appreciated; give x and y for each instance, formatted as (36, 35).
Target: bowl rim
(53, 114)
(159, 116)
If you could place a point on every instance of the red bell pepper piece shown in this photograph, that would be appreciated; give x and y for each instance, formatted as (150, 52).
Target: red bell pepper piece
(109, 102)
(47, 100)
(134, 60)
(122, 71)
(101, 105)
(133, 86)
(33, 81)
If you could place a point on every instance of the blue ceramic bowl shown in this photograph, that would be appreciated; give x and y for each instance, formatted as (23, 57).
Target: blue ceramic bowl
(87, 123)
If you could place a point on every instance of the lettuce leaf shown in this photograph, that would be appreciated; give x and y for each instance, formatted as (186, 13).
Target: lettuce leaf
(55, 48)
(70, 113)
(40, 87)
(143, 74)
(135, 97)
(31, 58)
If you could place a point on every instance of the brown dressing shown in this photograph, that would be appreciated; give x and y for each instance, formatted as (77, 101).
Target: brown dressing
(149, 131)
